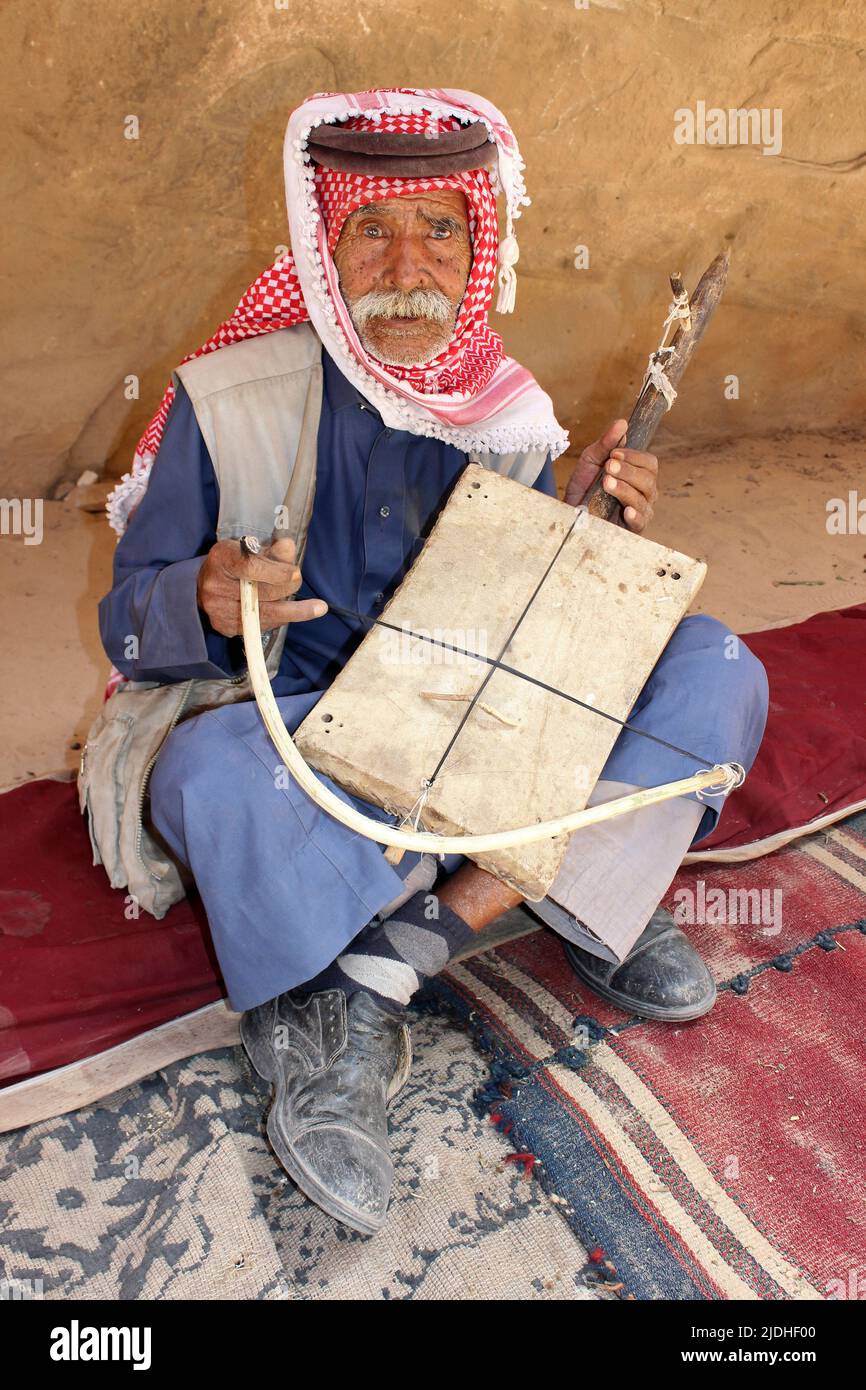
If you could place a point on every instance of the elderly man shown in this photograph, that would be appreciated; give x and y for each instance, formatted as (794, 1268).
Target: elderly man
(373, 334)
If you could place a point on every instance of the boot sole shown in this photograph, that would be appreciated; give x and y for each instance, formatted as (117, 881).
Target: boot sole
(657, 1013)
(261, 1054)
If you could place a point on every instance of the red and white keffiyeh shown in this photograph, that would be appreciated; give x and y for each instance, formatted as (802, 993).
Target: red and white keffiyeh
(472, 395)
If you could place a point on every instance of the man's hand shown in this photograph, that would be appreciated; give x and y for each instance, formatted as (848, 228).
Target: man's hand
(278, 577)
(630, 476)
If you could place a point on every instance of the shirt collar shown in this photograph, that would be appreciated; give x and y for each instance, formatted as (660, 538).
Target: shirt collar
(340, 391)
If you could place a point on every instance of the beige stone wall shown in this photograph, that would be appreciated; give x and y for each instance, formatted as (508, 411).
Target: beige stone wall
(123, 255)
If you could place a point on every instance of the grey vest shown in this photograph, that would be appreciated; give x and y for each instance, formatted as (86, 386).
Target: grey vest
(258, 405)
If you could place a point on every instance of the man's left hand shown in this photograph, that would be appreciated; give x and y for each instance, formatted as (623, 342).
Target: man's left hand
(630, 476)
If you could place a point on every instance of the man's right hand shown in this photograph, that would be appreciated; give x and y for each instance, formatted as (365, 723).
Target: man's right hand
(278, 578)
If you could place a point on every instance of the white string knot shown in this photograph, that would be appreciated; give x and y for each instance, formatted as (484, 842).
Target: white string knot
(655, 375)
(678, 309)
(414, 812)
(735, 777)
(509, 254)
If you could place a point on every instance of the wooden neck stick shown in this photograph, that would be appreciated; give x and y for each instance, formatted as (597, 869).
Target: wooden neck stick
(651, 404)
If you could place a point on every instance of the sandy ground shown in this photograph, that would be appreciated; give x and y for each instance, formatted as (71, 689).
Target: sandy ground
(754, 509)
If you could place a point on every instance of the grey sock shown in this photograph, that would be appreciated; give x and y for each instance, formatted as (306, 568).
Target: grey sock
(390, 960)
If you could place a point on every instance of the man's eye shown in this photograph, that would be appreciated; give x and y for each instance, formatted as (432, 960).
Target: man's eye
(442, 231)
(372, 229)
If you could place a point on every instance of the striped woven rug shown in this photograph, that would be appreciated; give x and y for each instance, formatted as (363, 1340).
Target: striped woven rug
(720, 1159)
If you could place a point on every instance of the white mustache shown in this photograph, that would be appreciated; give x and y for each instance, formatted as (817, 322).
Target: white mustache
(409, 304)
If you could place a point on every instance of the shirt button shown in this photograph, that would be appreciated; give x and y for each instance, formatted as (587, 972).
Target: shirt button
(385, 511)
(377, 598)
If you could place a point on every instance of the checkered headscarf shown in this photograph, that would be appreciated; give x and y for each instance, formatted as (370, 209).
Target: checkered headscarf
(475, 350)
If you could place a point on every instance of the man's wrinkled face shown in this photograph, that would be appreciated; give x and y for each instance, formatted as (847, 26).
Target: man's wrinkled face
(403, 266)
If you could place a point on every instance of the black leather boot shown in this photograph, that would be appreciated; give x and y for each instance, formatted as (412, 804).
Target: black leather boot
(662, 977)
(335, 1066)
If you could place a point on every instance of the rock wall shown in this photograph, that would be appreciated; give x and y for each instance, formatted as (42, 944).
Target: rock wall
(123, 254)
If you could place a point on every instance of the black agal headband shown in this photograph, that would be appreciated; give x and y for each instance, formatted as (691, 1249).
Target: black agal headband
(397, 154)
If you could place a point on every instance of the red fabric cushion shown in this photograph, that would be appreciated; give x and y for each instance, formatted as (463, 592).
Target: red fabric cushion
(76, 976)
(813, 757)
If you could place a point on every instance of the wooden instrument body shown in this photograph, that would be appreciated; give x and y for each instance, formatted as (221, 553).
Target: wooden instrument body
(595, 629)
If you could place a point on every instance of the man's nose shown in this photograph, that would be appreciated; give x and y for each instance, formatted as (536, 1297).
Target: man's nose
(406, 269)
